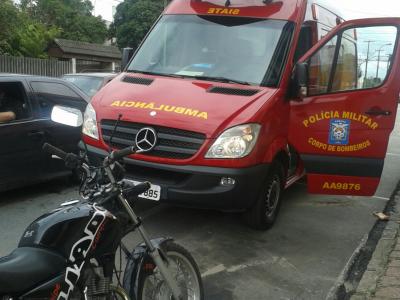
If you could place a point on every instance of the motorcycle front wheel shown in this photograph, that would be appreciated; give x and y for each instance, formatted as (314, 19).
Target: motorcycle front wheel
(183, 268)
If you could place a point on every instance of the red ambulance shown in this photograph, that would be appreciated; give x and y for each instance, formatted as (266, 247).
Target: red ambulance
(234, 101)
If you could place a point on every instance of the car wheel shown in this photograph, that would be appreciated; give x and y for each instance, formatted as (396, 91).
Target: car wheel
(264, 212)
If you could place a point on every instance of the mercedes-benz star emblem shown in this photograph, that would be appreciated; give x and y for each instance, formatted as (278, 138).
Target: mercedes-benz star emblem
(146, 139)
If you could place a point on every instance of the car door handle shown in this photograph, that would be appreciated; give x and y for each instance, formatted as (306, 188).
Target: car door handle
(377, 112)
(36, 134)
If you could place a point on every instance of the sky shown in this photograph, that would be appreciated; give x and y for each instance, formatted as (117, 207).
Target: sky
(105, 8)
(351, 9)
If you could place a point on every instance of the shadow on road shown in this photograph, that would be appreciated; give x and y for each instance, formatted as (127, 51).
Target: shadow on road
(57, 186)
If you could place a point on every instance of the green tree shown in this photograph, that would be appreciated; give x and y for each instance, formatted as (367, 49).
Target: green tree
(9, 18)
(32, 39)
(73, 17)
(133, 19)
(20, 35)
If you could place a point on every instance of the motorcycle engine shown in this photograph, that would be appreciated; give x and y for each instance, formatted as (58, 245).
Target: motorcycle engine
(97, 286)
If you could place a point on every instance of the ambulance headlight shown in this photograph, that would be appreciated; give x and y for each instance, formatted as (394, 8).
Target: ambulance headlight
(89, 127)
(235, 142)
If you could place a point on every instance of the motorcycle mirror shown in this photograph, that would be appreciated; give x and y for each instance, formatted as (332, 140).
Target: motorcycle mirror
(67, 115)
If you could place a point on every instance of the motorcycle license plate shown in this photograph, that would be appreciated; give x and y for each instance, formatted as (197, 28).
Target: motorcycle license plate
(154, 193)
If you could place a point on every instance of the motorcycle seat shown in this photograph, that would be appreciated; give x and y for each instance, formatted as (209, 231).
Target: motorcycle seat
(26, 268)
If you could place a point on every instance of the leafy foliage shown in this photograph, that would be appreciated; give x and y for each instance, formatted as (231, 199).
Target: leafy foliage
(73, 17)
(133, 19)
(9, 16)
(27, 30)
(32, 39)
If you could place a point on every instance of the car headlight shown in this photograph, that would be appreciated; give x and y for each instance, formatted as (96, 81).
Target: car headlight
(235, 142)
(89, 127)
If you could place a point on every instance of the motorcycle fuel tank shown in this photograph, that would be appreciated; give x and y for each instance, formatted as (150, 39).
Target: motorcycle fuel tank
(61, 229)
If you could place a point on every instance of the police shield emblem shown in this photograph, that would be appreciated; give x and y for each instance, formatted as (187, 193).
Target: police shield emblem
(339, 132)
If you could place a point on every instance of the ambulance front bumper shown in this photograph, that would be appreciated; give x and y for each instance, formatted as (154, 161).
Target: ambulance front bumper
(226, 189)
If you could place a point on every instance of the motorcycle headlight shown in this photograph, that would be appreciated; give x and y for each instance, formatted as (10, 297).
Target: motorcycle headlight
(89, 127)
(235, 142)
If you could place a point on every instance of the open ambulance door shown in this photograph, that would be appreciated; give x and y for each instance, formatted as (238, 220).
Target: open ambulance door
(344, 106)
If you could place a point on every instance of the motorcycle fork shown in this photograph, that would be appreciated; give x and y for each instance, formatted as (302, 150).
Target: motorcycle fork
(161, 261)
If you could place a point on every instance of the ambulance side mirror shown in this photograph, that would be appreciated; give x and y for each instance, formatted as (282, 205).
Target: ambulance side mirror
(299, 86)
(127, 54)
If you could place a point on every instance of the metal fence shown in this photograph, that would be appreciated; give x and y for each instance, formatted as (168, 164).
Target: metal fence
(34, 66)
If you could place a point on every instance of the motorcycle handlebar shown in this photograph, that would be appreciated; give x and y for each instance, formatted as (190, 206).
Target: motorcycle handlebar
(118, 154)
(54, 151)
(137, 189)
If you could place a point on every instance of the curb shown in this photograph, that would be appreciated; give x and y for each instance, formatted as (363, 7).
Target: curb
(378, 264)
(339, 290)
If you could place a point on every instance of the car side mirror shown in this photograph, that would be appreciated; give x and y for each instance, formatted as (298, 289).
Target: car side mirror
(67, 116)
(127, 54)
(301, 74)
(299, 86)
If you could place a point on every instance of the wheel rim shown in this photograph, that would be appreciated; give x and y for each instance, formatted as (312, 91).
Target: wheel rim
(272, 197)
(155, 288)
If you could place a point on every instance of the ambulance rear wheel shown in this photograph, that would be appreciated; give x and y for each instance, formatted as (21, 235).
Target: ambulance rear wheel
(263, 214)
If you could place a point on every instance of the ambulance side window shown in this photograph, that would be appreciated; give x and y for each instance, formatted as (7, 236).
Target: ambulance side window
(320, 68)
(358, 58)
(345, 77)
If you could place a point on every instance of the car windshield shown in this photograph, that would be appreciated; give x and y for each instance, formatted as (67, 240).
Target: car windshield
(246, 50)
(88, 84)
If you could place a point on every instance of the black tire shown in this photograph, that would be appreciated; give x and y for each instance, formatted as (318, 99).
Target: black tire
(173, 251)
(264, 212)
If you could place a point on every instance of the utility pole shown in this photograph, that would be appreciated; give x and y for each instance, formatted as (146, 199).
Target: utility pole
(366, 62)
(379, 57)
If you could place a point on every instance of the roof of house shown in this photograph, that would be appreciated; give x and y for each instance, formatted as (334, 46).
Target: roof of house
(89, 49)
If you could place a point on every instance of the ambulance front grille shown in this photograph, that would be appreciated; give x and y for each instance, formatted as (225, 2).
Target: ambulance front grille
(171, 142)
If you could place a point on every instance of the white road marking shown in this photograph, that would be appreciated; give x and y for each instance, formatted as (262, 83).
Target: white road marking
(214, 270)
(283, 262)
(382, 198)
(393, 154)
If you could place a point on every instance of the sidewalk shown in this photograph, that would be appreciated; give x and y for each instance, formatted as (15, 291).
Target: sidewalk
(381, 280)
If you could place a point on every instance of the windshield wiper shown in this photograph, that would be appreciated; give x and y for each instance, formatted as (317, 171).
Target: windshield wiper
(155, 73)
(220, 79)
(210, 78)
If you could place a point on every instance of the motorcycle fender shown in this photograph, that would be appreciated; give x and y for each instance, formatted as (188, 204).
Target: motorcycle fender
(134, 265)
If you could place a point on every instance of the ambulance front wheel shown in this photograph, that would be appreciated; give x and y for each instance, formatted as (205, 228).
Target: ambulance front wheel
(264, 212)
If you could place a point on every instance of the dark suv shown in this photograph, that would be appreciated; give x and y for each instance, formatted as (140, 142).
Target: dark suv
(31, 99)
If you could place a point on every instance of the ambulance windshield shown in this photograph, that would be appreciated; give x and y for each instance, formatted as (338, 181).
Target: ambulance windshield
(240, 49)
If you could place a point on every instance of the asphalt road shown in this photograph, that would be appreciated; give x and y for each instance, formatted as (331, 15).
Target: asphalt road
(300, 258)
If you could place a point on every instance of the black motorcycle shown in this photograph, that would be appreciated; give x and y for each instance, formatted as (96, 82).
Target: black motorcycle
(70, 253)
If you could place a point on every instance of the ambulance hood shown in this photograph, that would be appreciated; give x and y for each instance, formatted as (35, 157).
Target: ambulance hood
(193, 105)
